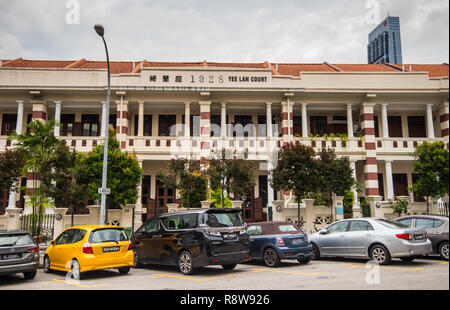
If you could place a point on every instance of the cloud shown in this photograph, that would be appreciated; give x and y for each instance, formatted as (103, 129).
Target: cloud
(232, 30)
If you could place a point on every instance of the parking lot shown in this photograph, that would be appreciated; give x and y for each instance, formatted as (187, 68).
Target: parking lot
(428, 273)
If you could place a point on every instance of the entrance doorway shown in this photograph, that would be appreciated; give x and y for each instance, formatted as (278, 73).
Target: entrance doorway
(163, 197)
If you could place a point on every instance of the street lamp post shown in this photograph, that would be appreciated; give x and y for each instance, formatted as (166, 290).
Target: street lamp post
(103, 190)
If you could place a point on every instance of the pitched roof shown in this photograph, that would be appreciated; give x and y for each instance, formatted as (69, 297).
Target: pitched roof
(290, 69)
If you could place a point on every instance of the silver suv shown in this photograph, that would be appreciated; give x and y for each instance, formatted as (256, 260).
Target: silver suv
(437, 228)
(18, 254)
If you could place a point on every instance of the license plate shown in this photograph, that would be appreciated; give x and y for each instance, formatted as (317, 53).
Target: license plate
(11, 256)
(111, 249)
(297, 241)
(418, 237)
(229, 236)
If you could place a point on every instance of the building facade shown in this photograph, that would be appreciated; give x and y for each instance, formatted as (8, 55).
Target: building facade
(164, 110)
(385, 44)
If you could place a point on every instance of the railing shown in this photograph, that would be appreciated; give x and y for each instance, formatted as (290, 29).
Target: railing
(404, 145)
(40, 226)
(82, 144)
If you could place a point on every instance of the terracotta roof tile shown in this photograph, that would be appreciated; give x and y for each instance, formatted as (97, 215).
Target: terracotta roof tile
(434, 70)
(290, 69)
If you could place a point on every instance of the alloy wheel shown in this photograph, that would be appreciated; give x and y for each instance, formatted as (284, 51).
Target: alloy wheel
(76, 270)
(379, 255)
(444, 251)
(46, 264)
(185, 263)
(270, 257)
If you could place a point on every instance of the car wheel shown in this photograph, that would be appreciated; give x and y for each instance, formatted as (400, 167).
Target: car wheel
(76, 270)
(380, 255)
(407, 259)
(271, 258)
(124, 270)
(47, 264)
(136, 259)
(443, 250)
(186, 263)
(304, 260)
(29, 275)
(316, 253)
(229, 266)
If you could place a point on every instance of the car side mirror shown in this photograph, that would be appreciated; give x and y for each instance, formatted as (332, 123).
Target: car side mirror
(323, 231)
(52, 242)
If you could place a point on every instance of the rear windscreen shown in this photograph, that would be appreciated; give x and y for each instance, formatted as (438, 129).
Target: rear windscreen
(12, 240)
(391, 224)
(106, 235)
(274, 229)
(225, 219)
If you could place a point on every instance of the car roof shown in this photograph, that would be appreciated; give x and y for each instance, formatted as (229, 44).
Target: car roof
(198, 211)
(93, 227)
(12, 232)
(430, 216)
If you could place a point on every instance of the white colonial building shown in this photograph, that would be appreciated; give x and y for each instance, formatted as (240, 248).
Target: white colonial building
(166, 109)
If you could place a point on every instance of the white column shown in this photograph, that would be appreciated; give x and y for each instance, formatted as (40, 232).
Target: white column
(104, 125)
(384, 120)
(19, 127)
(141, 119)
(355, 193)
(389, 182)
(187, 119)
(19, 124)
(304, 121)
(57, 118)
(349, 120)
(223, 119)
(430, 126)
(269, 119)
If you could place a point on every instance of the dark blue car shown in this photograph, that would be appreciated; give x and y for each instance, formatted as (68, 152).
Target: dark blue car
(273, 241)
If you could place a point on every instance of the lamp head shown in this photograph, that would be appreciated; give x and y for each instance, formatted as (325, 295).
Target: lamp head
(99, 29)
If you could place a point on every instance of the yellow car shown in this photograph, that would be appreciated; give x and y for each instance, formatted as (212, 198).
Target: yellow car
(85, 248)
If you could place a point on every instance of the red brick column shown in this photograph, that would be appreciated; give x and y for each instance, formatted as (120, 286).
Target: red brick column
(370, 164)
(287, 121)
(205, 127)
(122, 122)
(444, 119)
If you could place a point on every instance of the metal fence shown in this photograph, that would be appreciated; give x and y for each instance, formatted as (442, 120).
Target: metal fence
(443, 208)
(41, 226)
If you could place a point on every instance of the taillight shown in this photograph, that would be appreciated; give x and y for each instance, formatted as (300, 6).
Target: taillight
(87, 249)
(404, 236)
(426, 235)
(130, 246)
(33, 249)
(280, 241)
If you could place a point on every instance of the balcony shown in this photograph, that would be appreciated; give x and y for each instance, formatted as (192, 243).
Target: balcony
(402, 146)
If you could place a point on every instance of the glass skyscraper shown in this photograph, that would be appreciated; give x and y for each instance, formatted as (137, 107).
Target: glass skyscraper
(385, 42)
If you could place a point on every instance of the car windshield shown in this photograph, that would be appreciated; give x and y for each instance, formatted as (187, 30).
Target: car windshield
(224, 219)
(105, 235)
(391, 224)
(11, 240)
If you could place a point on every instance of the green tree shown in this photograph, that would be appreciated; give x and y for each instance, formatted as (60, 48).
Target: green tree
(11, 165)
(400, 206)
(431, 166)
(64, 184)
(230, 174)
(185, 176)
(296, 171)
(123, 174)
(37, 145)
(335, 174)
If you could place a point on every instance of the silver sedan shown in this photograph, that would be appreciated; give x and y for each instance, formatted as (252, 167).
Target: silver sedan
(370, 238)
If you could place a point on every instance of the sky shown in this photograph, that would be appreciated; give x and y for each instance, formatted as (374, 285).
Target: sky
(289, 31)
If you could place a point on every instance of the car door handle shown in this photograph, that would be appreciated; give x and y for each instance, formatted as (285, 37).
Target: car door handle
(341, 236)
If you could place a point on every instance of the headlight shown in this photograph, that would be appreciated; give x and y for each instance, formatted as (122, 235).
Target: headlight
(213, 233)
(243, 231)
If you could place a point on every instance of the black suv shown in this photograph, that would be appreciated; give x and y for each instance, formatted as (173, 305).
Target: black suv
(193, 239)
